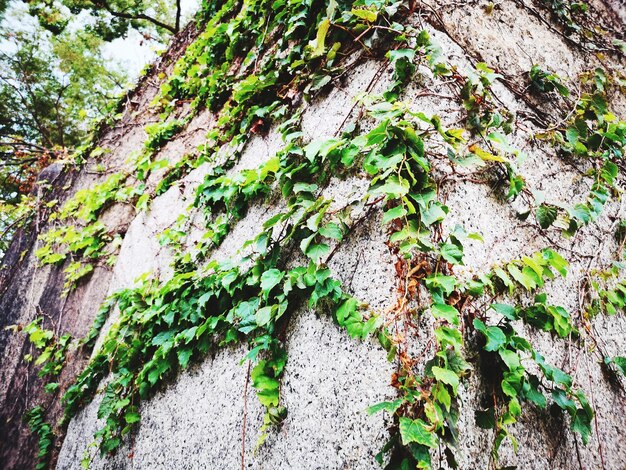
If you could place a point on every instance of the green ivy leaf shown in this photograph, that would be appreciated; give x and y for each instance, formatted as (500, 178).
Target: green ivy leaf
(162, 338)
(270, 279)
(515, 408)
(507, 311)
(516, 184)
(408, 54)
(365, 14)
(331, 230)
(305, 188)
(446, 376)
(394, 187)
(436, 212)
(556, 261)
(268, 391)
(546, 215)
(581, 423)
(552, 373)
(389, 406)
(441, 394)
(447, 312)
(563, 401)
(109, 445)
(263, 315)
(183, 356)
(416, 430)
(394, 213)
(452, 253)
(132, 417)
(52, 387)
(495, 337)
(316, 251)
(509, 387)
(523, 278)
(619, 361)
(449, 336)
(346, 310)
(447, 283)
(510, 358)
(532, 393)
(504, 277)
(321, 147)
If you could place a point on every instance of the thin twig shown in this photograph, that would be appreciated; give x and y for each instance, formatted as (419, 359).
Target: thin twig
(245, 418)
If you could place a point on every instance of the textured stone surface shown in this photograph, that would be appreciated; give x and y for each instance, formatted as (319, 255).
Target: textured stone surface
(203, 411)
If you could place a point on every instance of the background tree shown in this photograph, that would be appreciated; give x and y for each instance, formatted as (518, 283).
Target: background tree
(110, 18)
(54, 78)
(50, 86)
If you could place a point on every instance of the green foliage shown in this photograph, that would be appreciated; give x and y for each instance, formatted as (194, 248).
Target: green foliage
(568, 13)
(546, 215)
(505, 348)
(187, 325)
(51, 350)
(243, 97)
(49, 87)
(50, 360)
(549, 318)
(14, 215)
(34, 418)
(418, 432)
(546, 82)
(254, 315)
(610, 300)
(591, 134)
(110, 19)
(581, 26)
(87, 242)
(477, 100)
(529, 272)
(265, 378)
(88, 203)
(251, 301)
(619, 362)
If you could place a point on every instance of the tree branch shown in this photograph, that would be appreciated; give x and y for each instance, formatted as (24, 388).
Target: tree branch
(178, 11)
(40, 127)
(20, 163)
(138, 16)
